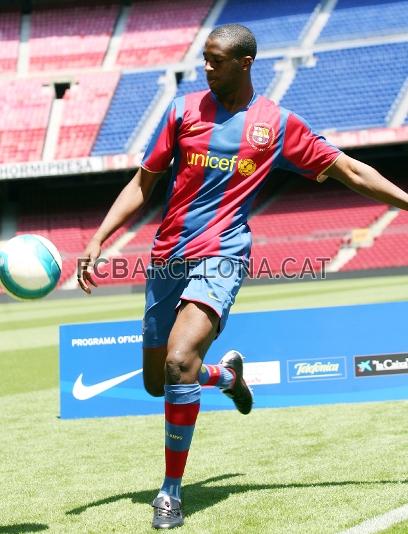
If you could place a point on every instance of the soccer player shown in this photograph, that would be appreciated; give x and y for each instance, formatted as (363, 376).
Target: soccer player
(224, 142)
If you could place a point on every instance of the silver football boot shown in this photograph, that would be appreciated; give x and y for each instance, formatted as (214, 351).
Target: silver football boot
(167, 512)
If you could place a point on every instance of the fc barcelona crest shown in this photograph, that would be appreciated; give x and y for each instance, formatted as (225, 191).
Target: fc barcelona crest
(260, 135)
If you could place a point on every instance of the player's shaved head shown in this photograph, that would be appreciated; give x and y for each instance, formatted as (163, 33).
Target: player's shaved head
(240, 38)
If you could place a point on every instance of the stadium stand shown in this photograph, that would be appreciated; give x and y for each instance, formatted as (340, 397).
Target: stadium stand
(365, 18)
(25, 106)
(390, 249)
(71, 36)
(334, 93)
(85, 106)
(134, 96)
(274, 23)
(9, 40)
(160, 32)
(304, 224)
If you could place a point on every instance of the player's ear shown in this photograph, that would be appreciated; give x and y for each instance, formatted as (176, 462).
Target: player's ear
(246, 62)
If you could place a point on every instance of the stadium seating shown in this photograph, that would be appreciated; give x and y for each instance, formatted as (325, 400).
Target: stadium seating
(160, 32)
(70, 37)
(274, 23)
(365, 18)
(9, 40)
(303, 224)
(25, 106)
(134, 95)
(262, 76)
(85, 106)
(390, 249)
(334, 94)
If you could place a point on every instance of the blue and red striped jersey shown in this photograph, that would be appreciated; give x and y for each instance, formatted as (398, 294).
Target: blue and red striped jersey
(221, 160)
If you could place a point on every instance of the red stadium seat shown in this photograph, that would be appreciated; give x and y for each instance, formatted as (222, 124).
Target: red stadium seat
(161, 32)
(390, 249)
(70, 37)
(85, 106)
(26, 107)
(9, 40)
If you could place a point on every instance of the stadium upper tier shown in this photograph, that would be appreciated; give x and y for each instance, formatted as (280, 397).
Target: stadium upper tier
(161, 32)
(134, 96)
(85, 106)
(9, 40)
(70, 36)
(356, 19)
(25, 108)
(349, 89)
(274, 23)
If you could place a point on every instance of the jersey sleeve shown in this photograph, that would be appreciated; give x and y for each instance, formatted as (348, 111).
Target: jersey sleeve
(305, 152)
(160, 150)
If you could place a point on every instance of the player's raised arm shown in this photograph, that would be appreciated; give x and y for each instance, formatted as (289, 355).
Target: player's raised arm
(132, 197)
(367, 181)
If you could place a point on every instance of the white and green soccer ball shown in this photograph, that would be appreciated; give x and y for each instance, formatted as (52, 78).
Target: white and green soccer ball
(30, 266)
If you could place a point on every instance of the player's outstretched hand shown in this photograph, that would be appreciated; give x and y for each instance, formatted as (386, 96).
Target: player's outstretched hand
(85, 266)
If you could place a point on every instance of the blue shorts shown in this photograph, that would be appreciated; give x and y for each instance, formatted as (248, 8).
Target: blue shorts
(213, 281)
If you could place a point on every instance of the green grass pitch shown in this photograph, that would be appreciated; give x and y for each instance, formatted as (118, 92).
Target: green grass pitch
(308, 470)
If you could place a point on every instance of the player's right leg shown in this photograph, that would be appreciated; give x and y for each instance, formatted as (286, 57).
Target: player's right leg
(163, 289)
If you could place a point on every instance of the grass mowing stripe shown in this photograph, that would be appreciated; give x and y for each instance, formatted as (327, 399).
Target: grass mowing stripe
(77, 306)
(326, 286)
(23, 371)
(84, 316)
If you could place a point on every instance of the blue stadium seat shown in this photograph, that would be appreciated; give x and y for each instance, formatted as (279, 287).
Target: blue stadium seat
(273, 22)
(349, 89)
(132, 99)
(364, 18)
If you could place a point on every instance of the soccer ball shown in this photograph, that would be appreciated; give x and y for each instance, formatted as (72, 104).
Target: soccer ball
(30, 266)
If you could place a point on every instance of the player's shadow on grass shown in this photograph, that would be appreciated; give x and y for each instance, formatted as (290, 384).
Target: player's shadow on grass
(22, 527)
(200, 495)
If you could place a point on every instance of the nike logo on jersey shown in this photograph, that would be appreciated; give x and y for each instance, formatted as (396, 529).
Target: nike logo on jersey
(82, 392)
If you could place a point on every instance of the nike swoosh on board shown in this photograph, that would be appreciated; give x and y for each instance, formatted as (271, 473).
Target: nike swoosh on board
(82, 392)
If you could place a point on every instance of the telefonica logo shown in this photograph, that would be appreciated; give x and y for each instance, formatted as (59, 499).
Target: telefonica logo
(246, 166)
(316, 369)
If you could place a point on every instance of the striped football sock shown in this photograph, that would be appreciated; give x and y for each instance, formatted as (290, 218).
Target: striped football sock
(182, 404)
(216, 375)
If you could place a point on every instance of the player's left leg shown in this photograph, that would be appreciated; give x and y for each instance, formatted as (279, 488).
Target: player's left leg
(216, 282)
(194, 329)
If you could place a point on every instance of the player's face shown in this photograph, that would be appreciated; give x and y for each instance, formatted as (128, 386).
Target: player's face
(224, 71)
